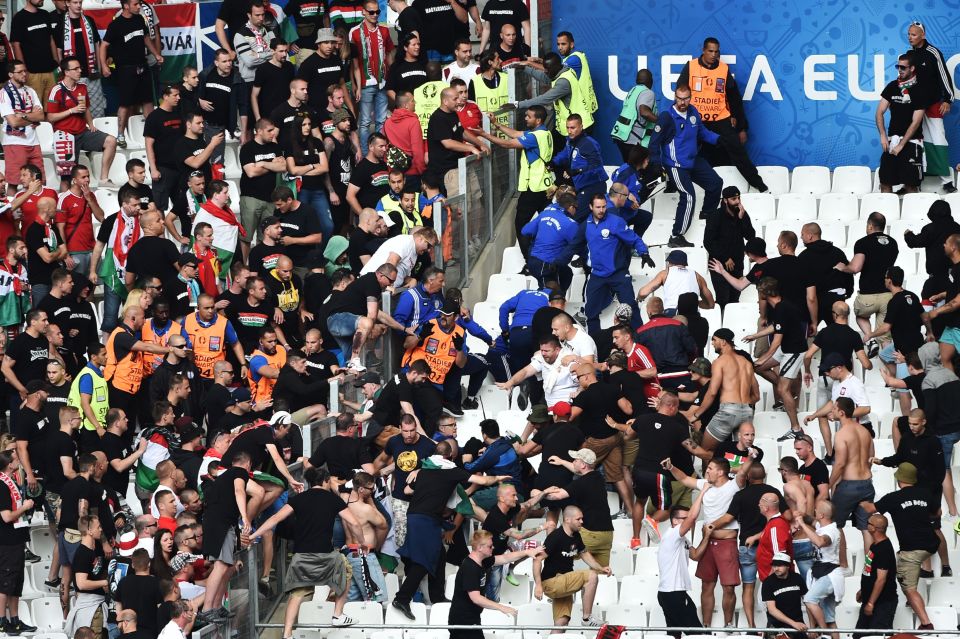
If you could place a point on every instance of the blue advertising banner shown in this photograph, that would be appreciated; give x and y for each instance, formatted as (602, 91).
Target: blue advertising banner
(810, 72)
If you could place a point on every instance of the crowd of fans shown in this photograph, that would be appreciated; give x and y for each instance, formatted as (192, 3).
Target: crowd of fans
(183, 397)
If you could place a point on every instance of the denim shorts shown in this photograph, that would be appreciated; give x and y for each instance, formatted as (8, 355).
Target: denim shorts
(821, 593)
(343, 324)
(846, 501)
(947, 441)
(951, 335)
(748, 564)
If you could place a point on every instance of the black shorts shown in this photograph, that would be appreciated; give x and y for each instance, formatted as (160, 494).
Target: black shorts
(904, 168)
(133, 85)
(12, 570)
(656, 486)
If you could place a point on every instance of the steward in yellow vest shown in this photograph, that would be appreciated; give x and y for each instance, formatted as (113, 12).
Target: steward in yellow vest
(565, 94)
(577, 61)
(715, 94)
(89, 392)
(489, 89)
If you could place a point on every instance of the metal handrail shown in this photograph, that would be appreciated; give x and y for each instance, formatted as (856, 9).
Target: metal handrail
(689, 630)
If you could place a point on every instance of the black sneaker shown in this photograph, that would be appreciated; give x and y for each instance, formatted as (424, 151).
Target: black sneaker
(452, 409)
(946, 571)
(679, 241)
(948, 187)
(30, 556)
(760, 187)
(52, 584)
(778, 405)
(828, 460)
(404, 607)
(790, 434)
(19, 627)
(926, 574)
(522, 400)
(470, 403)
(873, 348)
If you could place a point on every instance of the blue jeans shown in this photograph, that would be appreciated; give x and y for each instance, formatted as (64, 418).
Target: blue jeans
(700, 173)
(494, 582)
(318, 201)
(38, 292)
(948, 441)
(804, 554)
(111, 310)
(371, 99)
(82, 262)
(600, 292)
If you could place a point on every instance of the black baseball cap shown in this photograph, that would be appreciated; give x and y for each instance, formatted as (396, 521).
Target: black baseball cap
(730, 191)
(757, 246)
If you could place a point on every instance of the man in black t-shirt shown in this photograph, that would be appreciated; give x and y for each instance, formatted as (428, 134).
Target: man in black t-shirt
(126, 41)
(14, 533)
(396, 398)
(89, 575)
(781, 364)
(783, 594)
(406, 451)
(553, 573)
(503, 522)
(430, 490)
(217, 102)
(271, 81)
(343, 453)
(497, 13)
(447, 141)
(191, 153)
(161, 130)
(474, 577)
(873, 254)
(152, 255)
(812, 468)
(322, 70)
(902, 142)
(370, 178)
(261, 159)
(878, 587)
(914, 515)
(46, 250)
(25, 361)
(302, 237)
(32, 40)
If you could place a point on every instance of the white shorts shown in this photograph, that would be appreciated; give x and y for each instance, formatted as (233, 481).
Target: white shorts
(790, 364)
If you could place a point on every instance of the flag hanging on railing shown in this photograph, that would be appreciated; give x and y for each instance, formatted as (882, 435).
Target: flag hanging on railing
(178, 36)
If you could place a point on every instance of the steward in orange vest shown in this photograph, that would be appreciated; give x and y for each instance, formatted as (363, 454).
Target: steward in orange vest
(125, 355)
(209, 335)
(265, 365)
(715, 94)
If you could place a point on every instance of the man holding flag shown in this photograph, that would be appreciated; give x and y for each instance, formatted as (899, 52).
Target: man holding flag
(226, 227)
(118, 232)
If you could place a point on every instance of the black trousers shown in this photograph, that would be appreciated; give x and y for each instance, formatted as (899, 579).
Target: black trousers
(730, 144)
(679, 611)
(882, 617)
(723, 292)
(528, 204)
(428, 404)
(414, 575)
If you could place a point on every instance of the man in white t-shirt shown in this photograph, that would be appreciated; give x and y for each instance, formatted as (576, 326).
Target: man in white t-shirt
(673, 554)
(559, 382)
(402, 251)
(845, 384)
(22, 111)
(181, 621)
(721, 558)
(463, 66)
(575, 338)
(825, 583)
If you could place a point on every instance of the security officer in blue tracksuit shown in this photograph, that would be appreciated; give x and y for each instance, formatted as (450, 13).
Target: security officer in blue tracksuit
(581, 160)
(608, 245)
(422, 302)
(674, 146)
(519, 329)
(620, 202)
(553, 238)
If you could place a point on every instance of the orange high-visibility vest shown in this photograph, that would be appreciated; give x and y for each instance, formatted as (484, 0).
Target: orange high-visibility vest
(127, 373)
(263, 389)
(151, 360)
(708, 90)
(438, 350)
(209, 342)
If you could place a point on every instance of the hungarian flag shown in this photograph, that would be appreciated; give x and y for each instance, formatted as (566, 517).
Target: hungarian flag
(226, 231)
(178, 36)
(935, 142)
(158, 450)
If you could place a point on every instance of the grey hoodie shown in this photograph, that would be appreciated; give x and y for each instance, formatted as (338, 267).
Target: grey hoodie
(941, 392)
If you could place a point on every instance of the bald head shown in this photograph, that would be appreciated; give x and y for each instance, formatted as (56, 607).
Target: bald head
(284, 263)
(810, 232)
(46, 208)
(841, 310)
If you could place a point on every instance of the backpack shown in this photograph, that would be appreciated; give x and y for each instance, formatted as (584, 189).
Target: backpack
(397, 159)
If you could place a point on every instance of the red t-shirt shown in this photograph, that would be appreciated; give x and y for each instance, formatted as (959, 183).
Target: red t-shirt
(640, 359)
(62, 99)
(167, 523)
(775, 538)
(29, 206)
(367, 51)
(470, 116)
(74, 213)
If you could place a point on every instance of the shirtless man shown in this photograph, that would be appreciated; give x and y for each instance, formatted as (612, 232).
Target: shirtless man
(800, 498)
(851, 480)
(367, 583)
(733, 378)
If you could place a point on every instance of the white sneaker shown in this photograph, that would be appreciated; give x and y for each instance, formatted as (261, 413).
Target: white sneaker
(355, 365)
(591, 622)
(342, 620)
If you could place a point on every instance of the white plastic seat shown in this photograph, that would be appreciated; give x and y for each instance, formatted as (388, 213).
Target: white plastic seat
(42, 543)
(943, 617)
(513, 595)
(741, 318)
(135, 132)
(731, 177)
(47, 614)
(658, 232)
(916, 205)
(365, 613)
(38, 574)
(797, 207)
(633, 615)
(45, 137)
(814, 180)
(487, 618)
(842, 207)
(855, 180)
(231, 163)
(777, 179)
(493, 400)
(536, 613)
(513, 261)
(108, 125)
(762, 207)
(886, 203)
(394, 617)
(638, 589)
(503, 286)
(943, 591)
(770, 424)
(52, 179)
(118, 173)
(621, 557)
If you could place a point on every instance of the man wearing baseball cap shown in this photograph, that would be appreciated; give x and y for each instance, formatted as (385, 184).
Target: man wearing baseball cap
(676, 279)
(551, 437)
(782, 592)
(183, 290)
(728, 229)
